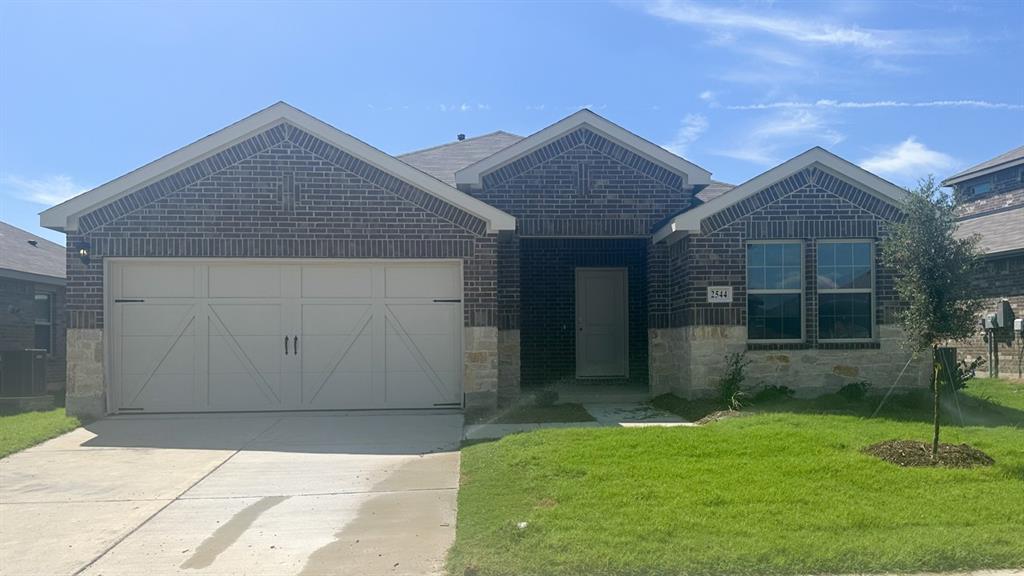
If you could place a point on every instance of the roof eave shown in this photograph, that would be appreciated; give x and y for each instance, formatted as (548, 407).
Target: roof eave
(965, 176)
(64, 216)
(473, 174)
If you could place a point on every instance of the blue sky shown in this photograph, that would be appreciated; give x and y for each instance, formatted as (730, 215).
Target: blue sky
(92, 91)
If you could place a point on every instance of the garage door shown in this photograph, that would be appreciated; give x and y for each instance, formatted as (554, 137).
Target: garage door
(192, 336)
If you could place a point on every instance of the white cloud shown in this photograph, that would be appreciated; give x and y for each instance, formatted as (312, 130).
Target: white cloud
(464, 107)
(908, 159)
(707, 96)
(691, 128)
(880, 104)
(724, 22)
(535, 107)
(765, 142)
(48, 190)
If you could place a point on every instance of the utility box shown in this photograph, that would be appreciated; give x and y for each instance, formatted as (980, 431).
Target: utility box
(1004, 314)
(22, 373)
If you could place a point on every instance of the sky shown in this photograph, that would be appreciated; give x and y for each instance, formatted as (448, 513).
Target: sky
(905, 89)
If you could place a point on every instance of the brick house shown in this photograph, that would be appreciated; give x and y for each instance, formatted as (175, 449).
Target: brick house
(282, 264)
(990, 199)
(32, 301)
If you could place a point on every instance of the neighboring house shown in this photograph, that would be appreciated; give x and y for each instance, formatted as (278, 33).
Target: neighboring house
(990, 199)
(282, 264)
(32, 299)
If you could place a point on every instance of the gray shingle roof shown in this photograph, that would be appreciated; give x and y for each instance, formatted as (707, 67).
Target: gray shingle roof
(442, 162)
(1004, 158)
(17, 255)
(714, 190)
(1000, 231)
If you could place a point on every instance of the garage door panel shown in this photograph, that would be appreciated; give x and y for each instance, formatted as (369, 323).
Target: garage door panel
(370, 336)
(240, 391)
(334, 319)
(344, 281)
(245, 281)
(353, 389)
(157, 281)
(416, 390)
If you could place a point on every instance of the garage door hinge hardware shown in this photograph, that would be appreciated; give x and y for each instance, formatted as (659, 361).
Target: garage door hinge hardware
(447, 300)
(120, 300)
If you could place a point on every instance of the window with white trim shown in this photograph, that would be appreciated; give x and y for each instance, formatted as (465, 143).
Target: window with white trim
(44, 321)
(775, 308)
(845, 289)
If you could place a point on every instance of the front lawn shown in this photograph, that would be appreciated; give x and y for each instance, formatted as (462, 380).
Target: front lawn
(1008, 393)
(776, 493)
(20, 431)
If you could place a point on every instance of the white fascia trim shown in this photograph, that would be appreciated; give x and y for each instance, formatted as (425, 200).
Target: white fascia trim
(978, 174)
(694, 175)
(689, 222)
(64, 217)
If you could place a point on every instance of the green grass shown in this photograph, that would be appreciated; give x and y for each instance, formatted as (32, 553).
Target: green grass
(1007, 393)
(20, 431)
(776, 493)
(538, 414)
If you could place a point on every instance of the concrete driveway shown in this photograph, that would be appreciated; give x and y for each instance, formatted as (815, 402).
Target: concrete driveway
(274, 494)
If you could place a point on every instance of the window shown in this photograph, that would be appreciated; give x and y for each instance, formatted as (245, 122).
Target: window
(775, 291)
(981, 187)
(44, 321)
(845, 290)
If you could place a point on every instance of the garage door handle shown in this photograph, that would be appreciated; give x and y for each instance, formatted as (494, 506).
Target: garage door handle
(295, 345)
(285, 345)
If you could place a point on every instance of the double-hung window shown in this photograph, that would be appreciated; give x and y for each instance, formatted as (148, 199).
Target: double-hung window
(845, 289)
(44, 321)
(775, 308)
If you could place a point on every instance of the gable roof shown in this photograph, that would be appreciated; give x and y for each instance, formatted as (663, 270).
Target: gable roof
(1000, 232)
(64, 216)
(714, 190)
(692, 174)
(42, 262)
(690, 221)
(442, 162)
(1004, 160)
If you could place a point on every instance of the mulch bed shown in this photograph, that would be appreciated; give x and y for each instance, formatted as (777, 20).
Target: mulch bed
(914, 453)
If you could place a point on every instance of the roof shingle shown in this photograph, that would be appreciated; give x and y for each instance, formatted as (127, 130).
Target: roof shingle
(45, 258)
(442, 162)
(999, 231)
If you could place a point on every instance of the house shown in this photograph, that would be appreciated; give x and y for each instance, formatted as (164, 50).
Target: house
(280, 263)
(990, 204)
(31, 306)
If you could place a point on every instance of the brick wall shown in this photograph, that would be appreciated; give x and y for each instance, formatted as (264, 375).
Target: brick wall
(282, 194)
(807, 206)
(1007, 189)
(17, 323)
(548, 315)
(1001, 277)
(585, 185)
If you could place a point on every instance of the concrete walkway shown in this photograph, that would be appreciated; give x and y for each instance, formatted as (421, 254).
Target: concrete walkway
(627, 414)
(274, 494)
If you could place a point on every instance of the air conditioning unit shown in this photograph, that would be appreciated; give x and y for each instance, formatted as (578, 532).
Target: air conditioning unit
(22, 373)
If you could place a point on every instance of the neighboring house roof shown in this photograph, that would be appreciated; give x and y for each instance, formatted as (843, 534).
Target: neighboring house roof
(42, 262)
(1005, 160)
(1000, 231)
(692, 174)
(690, 220)
(442, 162)
(714, 190)
(64, 216)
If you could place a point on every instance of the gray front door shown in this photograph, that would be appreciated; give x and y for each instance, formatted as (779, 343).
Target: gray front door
(601, 323)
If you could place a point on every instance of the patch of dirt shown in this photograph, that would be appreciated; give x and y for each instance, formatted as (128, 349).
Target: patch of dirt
(913, 453)
(722, 415)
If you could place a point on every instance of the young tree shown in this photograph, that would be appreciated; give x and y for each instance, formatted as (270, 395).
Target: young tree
(933, 278)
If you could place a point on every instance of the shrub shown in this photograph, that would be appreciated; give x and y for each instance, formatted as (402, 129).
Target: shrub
(854, 391)
(731, 391)
(772, 393)
(965, 371)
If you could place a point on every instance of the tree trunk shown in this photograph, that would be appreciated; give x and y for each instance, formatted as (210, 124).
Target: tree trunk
(936, 392)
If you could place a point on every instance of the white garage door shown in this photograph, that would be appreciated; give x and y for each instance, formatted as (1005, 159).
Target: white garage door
(234, 335)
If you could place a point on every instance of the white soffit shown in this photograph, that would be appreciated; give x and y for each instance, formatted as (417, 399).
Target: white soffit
(694, 175)
(690, 221)
(64, 216)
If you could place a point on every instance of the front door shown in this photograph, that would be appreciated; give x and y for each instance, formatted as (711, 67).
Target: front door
(601, 323)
